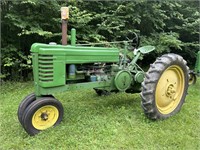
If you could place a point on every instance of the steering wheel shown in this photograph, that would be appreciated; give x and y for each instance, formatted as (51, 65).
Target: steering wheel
(135, 41)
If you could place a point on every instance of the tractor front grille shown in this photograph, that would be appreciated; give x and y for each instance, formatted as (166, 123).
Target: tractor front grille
(45, 68)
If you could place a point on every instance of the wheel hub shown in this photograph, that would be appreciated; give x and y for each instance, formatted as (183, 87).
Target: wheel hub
(44, 116)
(169, 89)
(170, 92)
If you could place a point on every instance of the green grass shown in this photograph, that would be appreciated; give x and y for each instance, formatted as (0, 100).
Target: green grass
(91, 122)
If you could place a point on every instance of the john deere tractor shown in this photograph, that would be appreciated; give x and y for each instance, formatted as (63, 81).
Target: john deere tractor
(193, 74)
(59, 68)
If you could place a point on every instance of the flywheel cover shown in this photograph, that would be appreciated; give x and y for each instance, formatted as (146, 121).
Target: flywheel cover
(123, 80)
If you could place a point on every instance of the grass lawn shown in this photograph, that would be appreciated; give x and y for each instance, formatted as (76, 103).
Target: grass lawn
(91, 122)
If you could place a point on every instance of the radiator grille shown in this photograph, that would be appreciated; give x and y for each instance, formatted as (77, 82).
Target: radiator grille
(45, 68)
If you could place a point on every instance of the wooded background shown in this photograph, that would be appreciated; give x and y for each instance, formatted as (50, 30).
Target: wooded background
(171, 26)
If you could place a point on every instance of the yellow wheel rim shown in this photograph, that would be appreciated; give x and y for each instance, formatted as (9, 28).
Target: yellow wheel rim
(169, 89)
(45, 117)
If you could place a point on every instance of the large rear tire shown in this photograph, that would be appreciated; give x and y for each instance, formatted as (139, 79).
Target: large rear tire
(165, 87)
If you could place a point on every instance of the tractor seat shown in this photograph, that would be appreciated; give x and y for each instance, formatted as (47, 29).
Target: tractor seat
(146, 49)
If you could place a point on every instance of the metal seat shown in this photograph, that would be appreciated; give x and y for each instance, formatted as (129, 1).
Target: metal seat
(146, 49)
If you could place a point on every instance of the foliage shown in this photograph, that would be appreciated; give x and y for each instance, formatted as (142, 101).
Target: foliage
(23, 23)
(172, 26)
(91, 122)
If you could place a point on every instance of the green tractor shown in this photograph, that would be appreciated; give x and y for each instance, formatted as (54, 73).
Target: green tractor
(59, 68)
(193, 74)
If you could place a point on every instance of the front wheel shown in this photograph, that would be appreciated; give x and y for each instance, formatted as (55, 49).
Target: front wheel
(24, 104)
(165, 87)
(41, 114)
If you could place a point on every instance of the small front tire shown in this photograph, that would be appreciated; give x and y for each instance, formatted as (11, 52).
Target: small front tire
(24, 104)
(41, 114)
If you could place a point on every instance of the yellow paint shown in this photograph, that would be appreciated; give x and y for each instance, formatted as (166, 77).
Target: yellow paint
(169, 89)
(45, 117)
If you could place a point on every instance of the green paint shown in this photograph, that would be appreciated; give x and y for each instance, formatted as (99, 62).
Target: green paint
(59, 68)
(123, 79)
(77, 55)
(73, 37)
(139, 77)
(197, 65)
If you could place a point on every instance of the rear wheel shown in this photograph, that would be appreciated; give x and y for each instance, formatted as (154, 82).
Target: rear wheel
(192, 78)
(165, 87)
(42, 114)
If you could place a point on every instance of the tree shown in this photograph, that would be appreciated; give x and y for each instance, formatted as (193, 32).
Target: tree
(171, 26)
